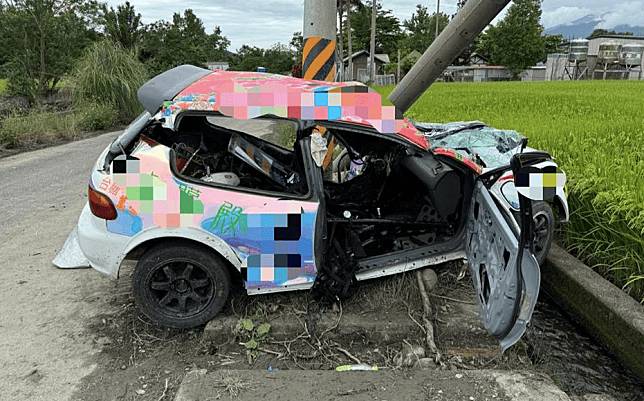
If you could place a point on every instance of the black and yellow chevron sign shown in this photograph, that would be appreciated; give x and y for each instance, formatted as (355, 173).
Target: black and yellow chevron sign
(318, 59)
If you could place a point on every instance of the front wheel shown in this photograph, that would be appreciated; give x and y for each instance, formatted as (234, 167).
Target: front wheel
(180, 286)
(544, 229)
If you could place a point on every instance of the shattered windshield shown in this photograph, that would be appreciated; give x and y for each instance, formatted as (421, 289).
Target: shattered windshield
(487, 146)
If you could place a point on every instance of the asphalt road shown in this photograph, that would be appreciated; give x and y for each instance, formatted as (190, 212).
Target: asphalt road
(44, 312)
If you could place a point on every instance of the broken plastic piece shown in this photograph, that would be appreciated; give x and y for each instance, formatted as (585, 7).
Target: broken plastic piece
(71, 255)
(356, 368)
(229, 178)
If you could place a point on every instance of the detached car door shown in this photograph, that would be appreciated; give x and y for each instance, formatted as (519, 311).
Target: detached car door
(504, 271)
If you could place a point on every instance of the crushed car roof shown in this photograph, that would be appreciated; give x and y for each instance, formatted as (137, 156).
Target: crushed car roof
(247, 95)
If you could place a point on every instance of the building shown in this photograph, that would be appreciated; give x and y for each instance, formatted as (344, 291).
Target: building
(218, 65)
(361, 65)
(593, 52)
(536, 73)
(476, 73)
(558, 66)
(488, 73)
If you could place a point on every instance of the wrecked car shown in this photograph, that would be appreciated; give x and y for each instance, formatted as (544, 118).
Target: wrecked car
(286, 184)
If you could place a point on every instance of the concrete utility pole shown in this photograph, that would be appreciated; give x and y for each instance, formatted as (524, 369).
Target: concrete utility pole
(438, 11)
(349, 40)
(341, 37)
(459, 33)
(320, 27)
(372, 48)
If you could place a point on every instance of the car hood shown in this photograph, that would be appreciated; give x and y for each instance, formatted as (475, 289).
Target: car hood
(486, 146)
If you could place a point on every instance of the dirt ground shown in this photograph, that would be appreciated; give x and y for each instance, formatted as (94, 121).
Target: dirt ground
(44, 346)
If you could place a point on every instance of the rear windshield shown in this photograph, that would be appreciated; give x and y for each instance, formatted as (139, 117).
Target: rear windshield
(282, 133)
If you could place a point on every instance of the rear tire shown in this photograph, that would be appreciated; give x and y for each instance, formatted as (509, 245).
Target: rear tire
(180, 286)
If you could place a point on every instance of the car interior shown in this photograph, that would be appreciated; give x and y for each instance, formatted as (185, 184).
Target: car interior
(257, 155)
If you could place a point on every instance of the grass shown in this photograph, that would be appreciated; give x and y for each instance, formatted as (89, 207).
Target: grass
(595, 131)
(107, 74)
(44, 128)
(3, 86)
(38, 129)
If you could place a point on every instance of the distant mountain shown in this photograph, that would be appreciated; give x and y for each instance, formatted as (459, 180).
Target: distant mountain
(584, 26)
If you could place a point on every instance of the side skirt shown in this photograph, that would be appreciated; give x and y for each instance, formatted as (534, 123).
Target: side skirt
(405, 266)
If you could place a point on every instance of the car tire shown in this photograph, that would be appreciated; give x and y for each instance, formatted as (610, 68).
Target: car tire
(180, 285)
(544, 230)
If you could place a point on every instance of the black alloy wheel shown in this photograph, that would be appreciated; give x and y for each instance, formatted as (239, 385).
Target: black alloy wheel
(181, 286)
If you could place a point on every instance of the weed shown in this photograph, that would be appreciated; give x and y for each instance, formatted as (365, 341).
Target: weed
(44, 127)
(252, 336)
(38, 128)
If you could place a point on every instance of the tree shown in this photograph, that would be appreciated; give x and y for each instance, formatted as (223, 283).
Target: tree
(297, 47)
(388, 32)
(183, 41)
(553, 43)
(600, 32)
(516, 42)
(123, 25)
(344, 6)
(420, 29)
(348, 39)
(41, 40)
(278, 59)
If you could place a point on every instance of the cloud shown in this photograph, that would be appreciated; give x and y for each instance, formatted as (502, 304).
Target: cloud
(562, 15)
(630, 12)
(613, 12)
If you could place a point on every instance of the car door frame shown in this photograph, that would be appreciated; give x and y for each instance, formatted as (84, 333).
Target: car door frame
(525, 290)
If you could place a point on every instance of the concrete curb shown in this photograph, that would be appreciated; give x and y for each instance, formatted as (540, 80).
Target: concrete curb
(314, 385)
(384, 328)
(605, 311)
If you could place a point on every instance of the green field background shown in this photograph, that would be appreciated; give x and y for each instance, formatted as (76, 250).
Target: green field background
(595, 131)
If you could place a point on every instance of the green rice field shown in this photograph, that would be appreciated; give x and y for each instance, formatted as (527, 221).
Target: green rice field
(595, 131)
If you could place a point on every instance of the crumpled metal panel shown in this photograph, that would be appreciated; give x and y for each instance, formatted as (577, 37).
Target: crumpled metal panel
(474, 141)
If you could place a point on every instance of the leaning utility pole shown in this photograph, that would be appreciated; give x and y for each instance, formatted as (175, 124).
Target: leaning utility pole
(372, 48)
(459, 33)
(320, 27)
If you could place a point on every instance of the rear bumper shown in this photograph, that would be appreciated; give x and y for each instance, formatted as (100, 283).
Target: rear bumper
(91, 245)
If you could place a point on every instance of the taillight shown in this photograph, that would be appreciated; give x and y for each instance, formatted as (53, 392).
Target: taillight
(101, 205)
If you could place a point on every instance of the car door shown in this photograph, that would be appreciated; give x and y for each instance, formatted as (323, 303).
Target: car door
(504, 271)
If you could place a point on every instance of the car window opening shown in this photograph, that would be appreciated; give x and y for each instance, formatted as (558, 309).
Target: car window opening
(248, 154)
(383, 199)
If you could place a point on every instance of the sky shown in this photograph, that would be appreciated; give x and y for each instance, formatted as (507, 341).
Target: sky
(262, 23)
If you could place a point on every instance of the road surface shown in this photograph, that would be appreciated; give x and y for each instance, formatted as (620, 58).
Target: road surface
(44, 346)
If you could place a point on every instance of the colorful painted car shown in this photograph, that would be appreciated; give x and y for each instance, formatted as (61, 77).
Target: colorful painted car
(285, 184)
